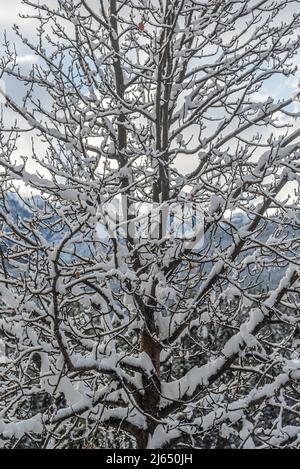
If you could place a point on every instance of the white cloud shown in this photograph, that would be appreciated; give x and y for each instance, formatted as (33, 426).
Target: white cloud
(29, 58)
(10, 12)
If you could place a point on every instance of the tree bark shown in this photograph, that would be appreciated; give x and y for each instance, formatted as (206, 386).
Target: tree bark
(152, 387)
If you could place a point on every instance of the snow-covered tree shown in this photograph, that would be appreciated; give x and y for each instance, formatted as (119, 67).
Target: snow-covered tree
(114, 329)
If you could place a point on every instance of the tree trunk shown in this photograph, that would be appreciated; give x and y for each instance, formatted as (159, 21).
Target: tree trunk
(151, 384)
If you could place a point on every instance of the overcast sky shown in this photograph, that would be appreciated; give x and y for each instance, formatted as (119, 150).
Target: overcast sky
(10, 11)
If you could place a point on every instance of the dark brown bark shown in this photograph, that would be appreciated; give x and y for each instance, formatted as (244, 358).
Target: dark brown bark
(151, 384)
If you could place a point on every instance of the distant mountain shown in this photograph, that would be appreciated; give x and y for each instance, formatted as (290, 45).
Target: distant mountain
(220, 239)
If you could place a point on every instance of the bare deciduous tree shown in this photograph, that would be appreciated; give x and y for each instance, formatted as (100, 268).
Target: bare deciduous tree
(161, 340)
